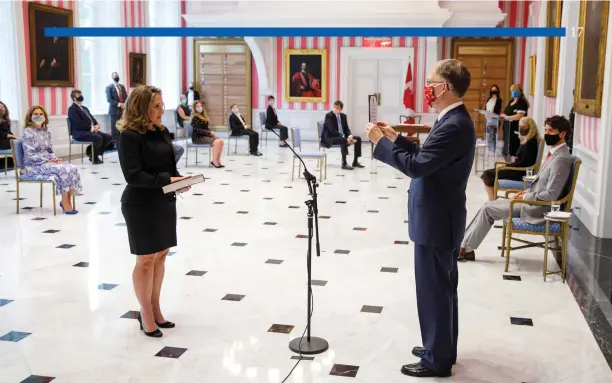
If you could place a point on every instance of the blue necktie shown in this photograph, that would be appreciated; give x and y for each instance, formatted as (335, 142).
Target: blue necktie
(340, 126)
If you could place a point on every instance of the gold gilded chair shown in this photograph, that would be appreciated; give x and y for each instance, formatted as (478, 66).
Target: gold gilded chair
(512, 186)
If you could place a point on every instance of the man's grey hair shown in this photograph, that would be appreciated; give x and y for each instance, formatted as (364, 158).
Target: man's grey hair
(456, 75)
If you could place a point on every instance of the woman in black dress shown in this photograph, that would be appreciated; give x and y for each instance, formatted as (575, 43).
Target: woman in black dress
(147, 161)
(515, 110)
(493, 105)
(202, 135)
(526, 155)
(5, 128)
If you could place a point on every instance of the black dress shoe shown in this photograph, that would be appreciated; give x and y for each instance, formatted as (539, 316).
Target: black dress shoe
(346, 167)
(420, 352)
(166, 324)
(153, 334)
(419, 371)
(256, 154)
(467, 256)
(357, 165)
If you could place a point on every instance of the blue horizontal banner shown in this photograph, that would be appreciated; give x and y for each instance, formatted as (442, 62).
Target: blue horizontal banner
(293, 32)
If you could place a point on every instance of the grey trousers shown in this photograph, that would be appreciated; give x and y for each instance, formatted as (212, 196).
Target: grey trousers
(481, 224)
(178, 152)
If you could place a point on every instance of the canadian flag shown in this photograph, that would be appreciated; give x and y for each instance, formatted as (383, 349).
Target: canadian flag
(409, 91)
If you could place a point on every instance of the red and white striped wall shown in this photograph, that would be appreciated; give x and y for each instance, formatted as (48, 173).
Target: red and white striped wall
(333, 46)
(55, 100)
(550, 104)
(586, 131)
(133, 17)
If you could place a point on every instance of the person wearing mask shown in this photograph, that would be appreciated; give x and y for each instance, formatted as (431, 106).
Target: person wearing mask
(493, 105)
(547, 186)
(239, 127)
(85, 127)
(148, 164)
(115, 96)
(272, 122)
(337, 132)
(5, 128)
(202, 135)
(39, 160)
(526, 155)
(192, 95)
(439, 170)
(515, 110)
(183, 111)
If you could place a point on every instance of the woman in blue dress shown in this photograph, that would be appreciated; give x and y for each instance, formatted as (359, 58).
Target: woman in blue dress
(40, 161)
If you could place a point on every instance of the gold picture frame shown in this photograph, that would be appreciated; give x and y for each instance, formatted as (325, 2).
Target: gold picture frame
(592, 38)
(306, 75)
(532, 74)
(137, 69)
(554, 10)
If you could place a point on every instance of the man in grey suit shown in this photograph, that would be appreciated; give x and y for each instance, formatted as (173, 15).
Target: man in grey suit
(547, 186)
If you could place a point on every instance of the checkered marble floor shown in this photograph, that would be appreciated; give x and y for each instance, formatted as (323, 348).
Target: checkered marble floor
(236, 286)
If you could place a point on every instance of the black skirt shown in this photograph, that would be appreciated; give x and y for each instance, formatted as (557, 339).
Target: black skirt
(151, 228)
(488, 176)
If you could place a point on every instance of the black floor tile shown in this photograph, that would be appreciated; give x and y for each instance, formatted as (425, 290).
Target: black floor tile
(104, 213)
(391, 187)
(371, 309)
(324, 217)
(171, 352)
(373, 173)
(401, 242)
(304, 357)
(383, 197)
(288, 187)
(342, 251)
(186, 218)
(389, 270)
(14, 336)
(38, 379)
(65, 246)
(239, 244)
(116, 184)
(218, 203)
(38, 219)
(317, 282)
(294, 207)
(244, 191)
(81, 264)
(521, 321)
(224, 184)
(360, 229)
(130, 315)
(512, 278)
(340, 201)
(281, 328)
(301, 236)
(354, 191)
(265, 181)
(274, 261)
(198, 194)
(4, 302)
(196, 273)
(233, 297)
(51, 231)
(90, 203)
(270, 223)
(242, 212)
(372, 211)
(103, 178)
(268, 198)
(21, 199)
(27, 208)
(106, 286)
(209, 230)
(344, 370)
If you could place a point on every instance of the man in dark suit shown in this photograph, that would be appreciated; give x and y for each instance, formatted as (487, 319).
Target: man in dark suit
(436, 210)
(239, 127)
(272, 122)
(337, 132)
(85, 127)
(116, 95)
(192, 95)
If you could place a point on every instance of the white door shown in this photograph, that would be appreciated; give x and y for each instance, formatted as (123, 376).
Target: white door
(391, 77)
(364, 81)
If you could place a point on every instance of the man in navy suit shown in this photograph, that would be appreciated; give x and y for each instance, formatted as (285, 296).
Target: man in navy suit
(337, 132)
(85, 127)
(116, 95)
(436, 210)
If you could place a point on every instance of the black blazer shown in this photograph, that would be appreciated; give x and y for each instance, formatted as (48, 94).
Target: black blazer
(271, 118)
(5, 130)
(235, 124)
(113, 98)
(439, 170)
(79, 122)
(147, 161)
(527, 154)
(330, 128)
(498, 105)
(196, 95)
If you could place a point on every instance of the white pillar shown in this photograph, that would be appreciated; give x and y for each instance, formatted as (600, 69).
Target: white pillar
(538, 97)
(568, 50)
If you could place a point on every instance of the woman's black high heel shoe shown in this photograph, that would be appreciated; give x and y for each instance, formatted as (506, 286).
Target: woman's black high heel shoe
(153, 334)
(166, 324)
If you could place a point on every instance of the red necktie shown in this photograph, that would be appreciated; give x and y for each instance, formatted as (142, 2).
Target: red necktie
(548, 156)
(119, 94)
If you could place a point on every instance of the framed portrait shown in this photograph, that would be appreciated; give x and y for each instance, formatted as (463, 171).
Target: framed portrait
(553, 20)
(592, 37)
(306, 75)
(532, 75)
(138, 69)
(51, 58)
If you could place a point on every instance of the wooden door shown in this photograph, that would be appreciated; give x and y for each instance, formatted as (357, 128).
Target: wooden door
(489, 63)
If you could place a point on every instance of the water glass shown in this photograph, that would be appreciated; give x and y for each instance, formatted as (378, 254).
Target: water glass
(555, 207)
(530, 172)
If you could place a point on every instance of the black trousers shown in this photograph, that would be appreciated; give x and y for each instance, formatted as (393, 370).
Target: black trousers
(343, 142)
(284, 132)
(115, 133)
(99, 141)
(253, 138)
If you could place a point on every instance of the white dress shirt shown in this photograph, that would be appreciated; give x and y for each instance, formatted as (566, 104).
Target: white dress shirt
(447, 109)
(190, 98)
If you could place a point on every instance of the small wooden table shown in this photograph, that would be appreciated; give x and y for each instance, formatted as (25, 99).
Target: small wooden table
(409, 129)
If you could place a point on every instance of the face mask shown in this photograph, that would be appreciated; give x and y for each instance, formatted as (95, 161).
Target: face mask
(524, 131)
(516, 94)
(116, 79)
(2, 111)
(552, 139)
(191, 87)
(235, 111)
(494, 92)
(271, 102)
(430, 97)
(80, 98)
(199, 109)
(38, 120)
(184, 102)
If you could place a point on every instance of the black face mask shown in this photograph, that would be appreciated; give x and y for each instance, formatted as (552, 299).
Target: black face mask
(552, 139)
(116, 79)
(80, 98)
(524, 132)
(191, 87)
(493, 92)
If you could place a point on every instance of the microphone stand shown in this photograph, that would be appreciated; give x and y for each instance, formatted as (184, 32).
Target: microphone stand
(309, 345)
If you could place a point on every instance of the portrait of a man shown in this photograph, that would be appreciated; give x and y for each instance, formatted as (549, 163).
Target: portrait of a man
(51, 58)
(138, 69)
(305, 75)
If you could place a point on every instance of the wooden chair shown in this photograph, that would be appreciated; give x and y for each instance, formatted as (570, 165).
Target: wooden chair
(512, 186)
(321, 157)
(557, 230)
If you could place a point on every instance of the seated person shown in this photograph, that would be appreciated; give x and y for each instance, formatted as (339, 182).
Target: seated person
(526, 155)
(336, 132)
(239, 127)
(183, 112)
(5, 128)
(84, 127)
(548, 186)
(272, 122)
(202, 135)
(40, 161)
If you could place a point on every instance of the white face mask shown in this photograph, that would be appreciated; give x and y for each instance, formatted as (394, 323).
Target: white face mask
(38, 120)
(235, 111)
(199, 109)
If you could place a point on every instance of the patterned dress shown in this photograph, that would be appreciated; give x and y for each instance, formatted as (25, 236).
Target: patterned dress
(37, 152)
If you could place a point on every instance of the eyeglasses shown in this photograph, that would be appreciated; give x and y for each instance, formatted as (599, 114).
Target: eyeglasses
(429, 82)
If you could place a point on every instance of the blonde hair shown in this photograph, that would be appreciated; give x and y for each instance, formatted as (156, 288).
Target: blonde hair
(28, 117)
(203, 115)
(137, 107)
(519, 88)
(533, 129)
